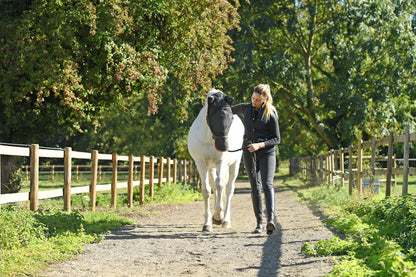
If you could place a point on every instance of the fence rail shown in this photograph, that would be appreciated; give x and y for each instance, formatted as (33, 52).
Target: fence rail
(176, 170)
(346, 164)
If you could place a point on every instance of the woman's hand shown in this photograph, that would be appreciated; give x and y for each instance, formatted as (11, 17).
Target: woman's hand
(255, 146)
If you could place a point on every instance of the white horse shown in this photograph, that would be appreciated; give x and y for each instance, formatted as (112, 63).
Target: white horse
(212, 134)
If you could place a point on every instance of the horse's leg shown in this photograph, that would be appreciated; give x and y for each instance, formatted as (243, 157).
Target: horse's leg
(233, 173)
(218, 217)
(206, 193)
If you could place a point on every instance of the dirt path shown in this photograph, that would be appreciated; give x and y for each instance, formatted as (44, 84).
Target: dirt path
(170, 243)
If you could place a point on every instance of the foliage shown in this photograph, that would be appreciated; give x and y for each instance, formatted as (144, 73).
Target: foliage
(395, 218)
(60, 70)
(124, 129)
(172, 193)
(29, 241)
(339, 70)
(15, 182)
(380, 234)
(19, 228)
(37, 244)
(103, 222)
(175, 192)
(351, 267)
(333, 246)
(54, 220)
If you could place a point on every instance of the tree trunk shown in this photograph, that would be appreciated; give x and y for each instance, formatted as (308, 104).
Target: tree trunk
(9, 165)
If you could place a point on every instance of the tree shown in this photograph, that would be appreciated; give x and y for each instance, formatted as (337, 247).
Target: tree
(64, 63)
(340, 70)
(124, 129)
(69, 66)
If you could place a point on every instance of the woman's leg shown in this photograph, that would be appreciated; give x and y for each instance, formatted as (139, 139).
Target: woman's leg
(267, 166)
(254, 178)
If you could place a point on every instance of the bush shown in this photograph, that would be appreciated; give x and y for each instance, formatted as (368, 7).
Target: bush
(59, 222)
(19, 228)
(381, 234)
(15, 182)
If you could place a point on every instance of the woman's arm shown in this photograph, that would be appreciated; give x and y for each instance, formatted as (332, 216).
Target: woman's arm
(239, 108)
(274, 131)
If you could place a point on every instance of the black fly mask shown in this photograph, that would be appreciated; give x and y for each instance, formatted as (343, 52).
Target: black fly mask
(219, 118)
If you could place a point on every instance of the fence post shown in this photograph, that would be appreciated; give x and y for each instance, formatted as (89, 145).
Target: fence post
(373, 162)
(190, 172)
(313, 172)
(342, 166)
(350, 175)
(151, 175)
(168, 171)
(321, 169)
(77, 172)
(180, 170)
(100, 172)
(114, 181)
(0, 180)
(142, 178)
(175, 170)
(389, 165)
(332, 166)
(93, 186)
(406, 160)
(67, 179)
(394, 167)
(184, 171)
(194, 175)
(53, 172)
(327, 166)
(130, 182)
(360, 168)
(160, 171)
(34, 176)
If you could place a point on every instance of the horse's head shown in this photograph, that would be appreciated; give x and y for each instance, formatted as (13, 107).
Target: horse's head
(219, 118)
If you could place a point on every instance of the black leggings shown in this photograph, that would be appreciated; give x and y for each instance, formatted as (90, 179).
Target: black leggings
(265, 166)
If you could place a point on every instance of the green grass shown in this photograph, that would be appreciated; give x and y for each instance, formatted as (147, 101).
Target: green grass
(380, 233)
(29, 241)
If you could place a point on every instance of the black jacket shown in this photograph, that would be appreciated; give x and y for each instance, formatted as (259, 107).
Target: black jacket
(258, 129)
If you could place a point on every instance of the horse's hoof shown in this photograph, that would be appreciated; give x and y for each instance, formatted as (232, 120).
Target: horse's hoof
(216, 222)
(207, 228)
(226, 224)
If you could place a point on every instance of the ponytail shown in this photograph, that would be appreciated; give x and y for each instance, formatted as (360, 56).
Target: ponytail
(264, 91)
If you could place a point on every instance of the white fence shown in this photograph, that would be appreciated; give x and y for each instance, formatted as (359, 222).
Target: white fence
(346, 165)
(175, 170)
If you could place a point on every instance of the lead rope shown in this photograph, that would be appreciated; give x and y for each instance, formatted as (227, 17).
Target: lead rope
(253, 161)
(242, 148)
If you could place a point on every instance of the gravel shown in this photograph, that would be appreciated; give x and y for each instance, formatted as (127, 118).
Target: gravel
(169, 241)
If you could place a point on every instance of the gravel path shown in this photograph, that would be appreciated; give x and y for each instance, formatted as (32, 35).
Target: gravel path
(169, 242)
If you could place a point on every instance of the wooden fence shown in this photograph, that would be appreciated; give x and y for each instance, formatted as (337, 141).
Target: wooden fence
(176, 170)
(348, 166)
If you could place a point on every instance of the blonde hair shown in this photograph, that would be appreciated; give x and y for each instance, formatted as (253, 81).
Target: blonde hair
(264, 91)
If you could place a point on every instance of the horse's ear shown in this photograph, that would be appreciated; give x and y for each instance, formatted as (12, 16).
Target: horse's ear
(210, 99)
(229, 99)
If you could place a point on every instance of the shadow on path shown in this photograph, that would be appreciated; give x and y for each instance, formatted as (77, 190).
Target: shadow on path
(272, 251)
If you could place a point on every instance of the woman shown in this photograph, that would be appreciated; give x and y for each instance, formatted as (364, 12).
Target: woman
(261, 135)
